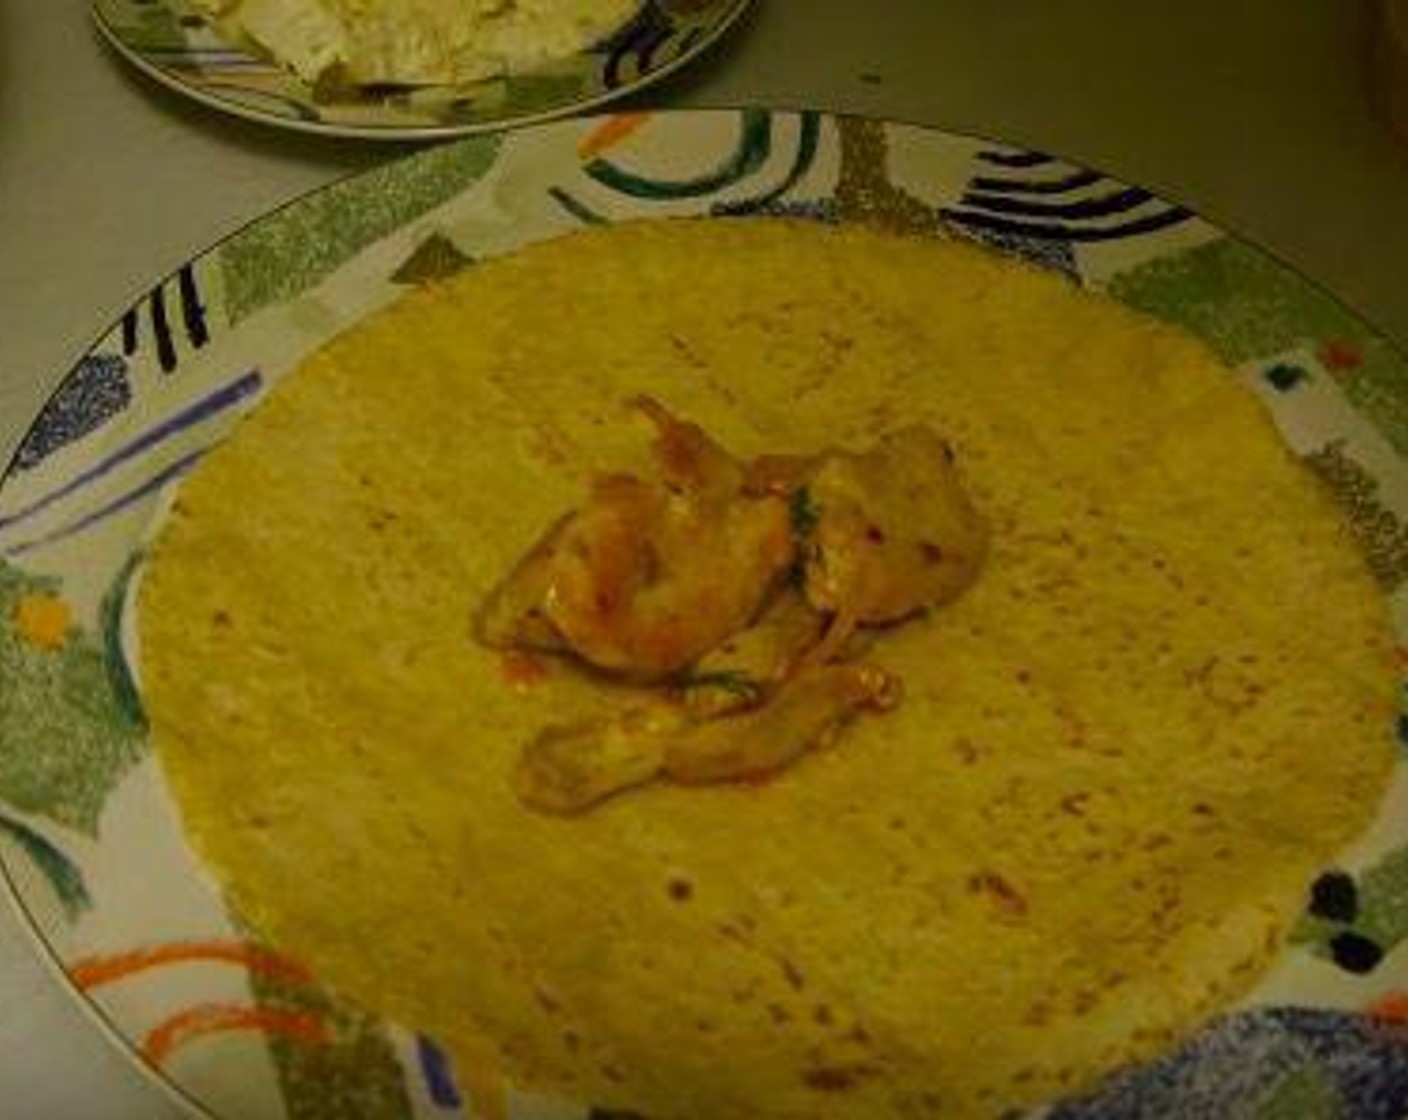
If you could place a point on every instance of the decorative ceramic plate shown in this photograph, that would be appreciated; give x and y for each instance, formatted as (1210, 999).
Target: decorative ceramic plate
(89, 838)
(171, 42)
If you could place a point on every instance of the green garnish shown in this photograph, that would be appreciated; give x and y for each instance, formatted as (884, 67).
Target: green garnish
(803, 511)
(732, 681)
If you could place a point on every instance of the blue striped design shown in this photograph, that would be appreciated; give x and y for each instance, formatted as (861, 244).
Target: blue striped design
(1054, 231)
(435, 1067)
(1015, 159)
(641, 38)
(645, 52)
(1102, 206)
(117, 505)
(96, 392)
(203, 409)
(1071, 182)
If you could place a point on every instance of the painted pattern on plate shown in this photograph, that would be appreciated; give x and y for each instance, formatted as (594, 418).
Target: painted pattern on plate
(177, 45)
(82, 803)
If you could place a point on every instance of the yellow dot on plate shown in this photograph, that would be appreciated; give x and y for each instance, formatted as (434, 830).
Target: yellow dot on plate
(43, 620)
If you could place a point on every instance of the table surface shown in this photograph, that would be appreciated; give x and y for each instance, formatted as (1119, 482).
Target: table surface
(1254, 113)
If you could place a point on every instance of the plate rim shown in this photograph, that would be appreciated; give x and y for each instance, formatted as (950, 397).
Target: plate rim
(88, 1008)
(9, 886)
(165, 77)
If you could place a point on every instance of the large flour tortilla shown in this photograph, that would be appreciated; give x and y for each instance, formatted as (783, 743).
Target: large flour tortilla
(1121, 756)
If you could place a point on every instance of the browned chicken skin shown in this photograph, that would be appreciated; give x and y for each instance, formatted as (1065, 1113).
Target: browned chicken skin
(739, 588)
(648, 576)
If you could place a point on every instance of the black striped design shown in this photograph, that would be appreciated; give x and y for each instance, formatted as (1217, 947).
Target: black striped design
(1015, 159)
(1100, 206)
(1055, 231)
(650, 40)
(1038, 198)
(161, 330)
(155, 314)
(1036, 186)
(192, 309)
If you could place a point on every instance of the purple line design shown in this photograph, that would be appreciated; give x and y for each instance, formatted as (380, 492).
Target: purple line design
(439, 1079)
(117, 505)
(202, 409)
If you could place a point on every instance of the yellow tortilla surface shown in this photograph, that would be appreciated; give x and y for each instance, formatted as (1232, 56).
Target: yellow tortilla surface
(1120, 759)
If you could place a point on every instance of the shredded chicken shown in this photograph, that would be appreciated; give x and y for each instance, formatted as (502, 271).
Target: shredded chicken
(746, 590)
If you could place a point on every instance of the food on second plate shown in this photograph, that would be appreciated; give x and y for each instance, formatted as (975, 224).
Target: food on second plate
(348, 43)
(650, 578)
(1086, 825)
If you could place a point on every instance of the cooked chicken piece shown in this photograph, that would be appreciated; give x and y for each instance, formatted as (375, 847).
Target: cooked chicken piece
(747, 667)
(647, 577)
(514, 614)
(644, 582)
(779, 474)
(688, 458)
(752, 587)
(893, 530)
(566, 771)
(803, 716)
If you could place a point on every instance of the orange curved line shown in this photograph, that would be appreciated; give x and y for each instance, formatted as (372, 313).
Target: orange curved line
(1392, 1007)
(610, 133)
(90, 972)
(218, 1018)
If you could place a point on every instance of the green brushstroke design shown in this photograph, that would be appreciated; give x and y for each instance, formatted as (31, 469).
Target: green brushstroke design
(152, 27)
(1314, 932)
(67, 736)
(1382, 914)
(61, 872)
(808, 141)
(577, 208)
(1246, 306)
(754, 146)
(290, 251)
(1383, 901)
(355, 1075)
(435, 258)
(1308, 1093)
(534, 93)
(803, 512)
(1380, 534)
(110, 614)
